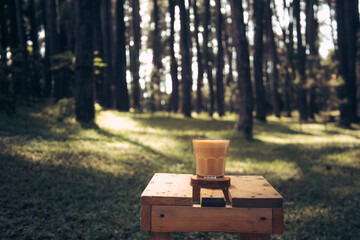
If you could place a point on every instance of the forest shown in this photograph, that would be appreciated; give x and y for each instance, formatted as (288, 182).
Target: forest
(183, 57)
(98, 95)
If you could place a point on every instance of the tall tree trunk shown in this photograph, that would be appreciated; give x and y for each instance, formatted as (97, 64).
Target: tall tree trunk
(229, 51)
(121, 91)
(23, 51)
(301, 61)
(311, 39)
(274, 58)
(199, 105)
(174, 98)
(348, 22)
(66, 33)
(289, 64)
(135, 53)
(245, 120)
(185, 60)
(13, 36)
(220, 62)
(258, 62)
(4, 36)
(14, 45)
(157, 39)
(207, 50)
(35, 83)
(52, 40)
(156, 45)
(47, 72)
(98, 49)
(106, 34)
(84, 100)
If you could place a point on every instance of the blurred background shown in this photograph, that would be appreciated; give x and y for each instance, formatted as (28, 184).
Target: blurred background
(181, 56)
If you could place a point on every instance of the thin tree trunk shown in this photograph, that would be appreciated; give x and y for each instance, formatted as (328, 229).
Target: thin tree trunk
(4, 37)
(301, 61)
(157, 39)
(156, 45)
(207, 57)
(13, 36)
(46, 61)
(199, 105)
(311, 38)
(229, 51)
(245, 120)
(121, 91)
(35, 83)
(258, 62)
(185, 60)
(98, 49)
(14, 45)
(84, 100)
(274, 57)
(23, 51)
(220, 62)
(174, 98)
(52, 40)
(106, 34)
(135, 53)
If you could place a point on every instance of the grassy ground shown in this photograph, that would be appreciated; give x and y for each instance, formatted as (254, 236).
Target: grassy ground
(61, 181)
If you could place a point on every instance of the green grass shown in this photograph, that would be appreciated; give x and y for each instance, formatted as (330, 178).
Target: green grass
(61, 181)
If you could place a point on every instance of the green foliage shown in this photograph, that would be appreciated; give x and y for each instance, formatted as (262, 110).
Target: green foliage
(98, 63)
(63, 110)
(64, 60)
(61, 181)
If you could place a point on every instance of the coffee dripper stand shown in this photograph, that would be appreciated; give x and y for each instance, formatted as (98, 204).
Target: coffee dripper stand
(198, 183)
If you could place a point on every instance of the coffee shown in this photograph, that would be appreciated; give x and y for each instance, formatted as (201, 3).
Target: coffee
(210, 157)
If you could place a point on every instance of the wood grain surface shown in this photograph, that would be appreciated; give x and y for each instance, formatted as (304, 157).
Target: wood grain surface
(209, 219)
(246, 191)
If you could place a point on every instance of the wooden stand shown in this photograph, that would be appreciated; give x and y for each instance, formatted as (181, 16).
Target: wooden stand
(255, 213)
(220, 183)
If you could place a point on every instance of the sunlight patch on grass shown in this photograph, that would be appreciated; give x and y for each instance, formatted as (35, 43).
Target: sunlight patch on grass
(349, 159)
(249, 166)
(112, 120)
(304, 139)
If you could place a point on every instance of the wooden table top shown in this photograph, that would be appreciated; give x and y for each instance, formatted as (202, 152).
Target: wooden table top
(175, 190)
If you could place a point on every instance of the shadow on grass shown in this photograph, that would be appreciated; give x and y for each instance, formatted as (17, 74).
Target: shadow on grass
(29, 126)
(40, 201)
(275, 127)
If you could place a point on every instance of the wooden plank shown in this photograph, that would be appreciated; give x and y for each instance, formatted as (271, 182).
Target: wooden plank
(246, 191)
(168, 189)
(208, 219)
(145, 218)
(212, 198)
(277, 220)
(161, 235)
(254, 191)
(196, 194)
(253, 236)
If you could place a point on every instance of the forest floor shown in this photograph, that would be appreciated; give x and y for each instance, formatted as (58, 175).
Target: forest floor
(59, 180)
